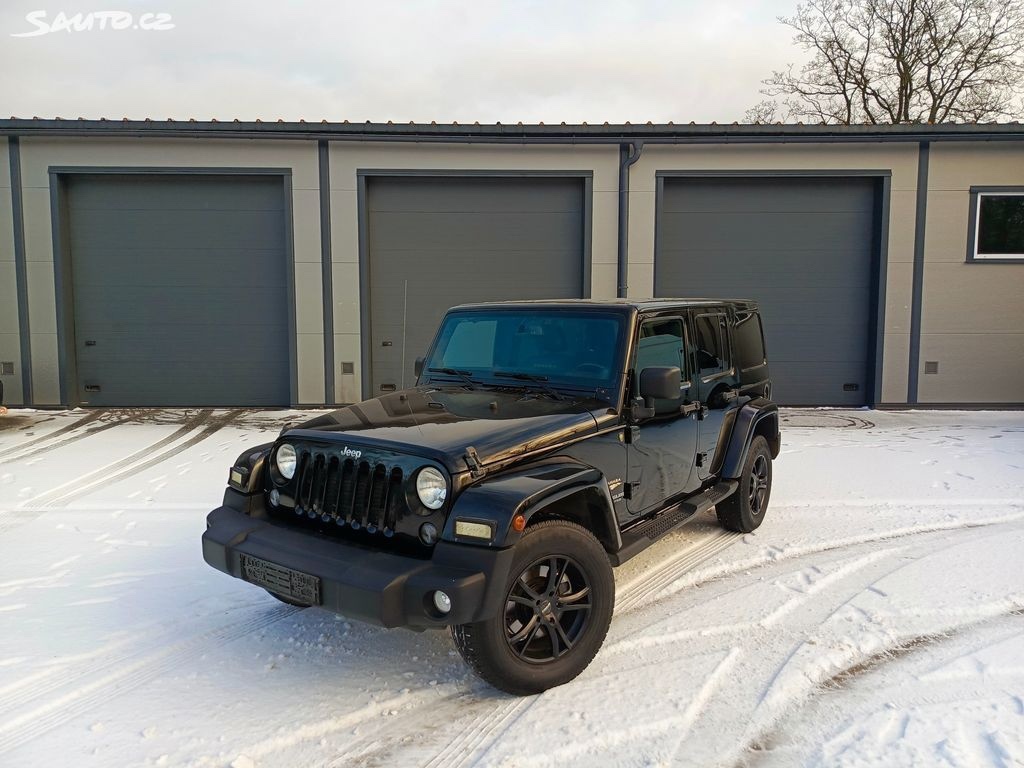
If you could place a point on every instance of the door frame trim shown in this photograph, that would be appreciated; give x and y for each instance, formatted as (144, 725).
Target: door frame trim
(363, 221)
(879, 246)
(67, 362)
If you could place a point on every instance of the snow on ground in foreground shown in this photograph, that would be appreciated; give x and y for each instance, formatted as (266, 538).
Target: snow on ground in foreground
(876, 618)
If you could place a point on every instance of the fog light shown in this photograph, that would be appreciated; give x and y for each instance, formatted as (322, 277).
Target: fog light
(275, 497)
(428, 533)
(442, 602)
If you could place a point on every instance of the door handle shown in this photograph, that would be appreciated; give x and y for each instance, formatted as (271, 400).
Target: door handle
(689, 408)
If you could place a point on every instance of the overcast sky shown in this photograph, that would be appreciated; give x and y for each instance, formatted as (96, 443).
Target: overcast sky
(561, 60)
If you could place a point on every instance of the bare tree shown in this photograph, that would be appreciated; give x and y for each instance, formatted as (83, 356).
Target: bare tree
(901, 61)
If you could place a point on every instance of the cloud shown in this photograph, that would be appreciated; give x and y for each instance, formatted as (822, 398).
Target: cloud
(563, 60)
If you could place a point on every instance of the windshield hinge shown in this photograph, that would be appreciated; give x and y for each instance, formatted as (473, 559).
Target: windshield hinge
(476, 469)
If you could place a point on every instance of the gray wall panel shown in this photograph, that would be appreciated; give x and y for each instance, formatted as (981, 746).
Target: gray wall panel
(804, 249)
(181, 282)
(433, 243)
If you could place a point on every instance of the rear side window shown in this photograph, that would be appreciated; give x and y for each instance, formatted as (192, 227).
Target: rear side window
(748, 338)
(712, 344)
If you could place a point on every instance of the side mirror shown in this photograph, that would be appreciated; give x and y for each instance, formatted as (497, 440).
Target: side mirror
(419, 366)
(660, 383)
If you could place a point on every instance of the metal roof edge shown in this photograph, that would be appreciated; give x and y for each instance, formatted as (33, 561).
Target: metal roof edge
(509, 133)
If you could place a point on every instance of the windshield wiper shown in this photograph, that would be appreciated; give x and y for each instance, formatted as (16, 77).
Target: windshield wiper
(464, 375)
(533, 378)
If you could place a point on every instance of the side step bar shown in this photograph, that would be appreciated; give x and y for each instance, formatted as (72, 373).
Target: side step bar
(640, 536)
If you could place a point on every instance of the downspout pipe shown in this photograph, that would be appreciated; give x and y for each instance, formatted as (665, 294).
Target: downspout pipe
(629, 153)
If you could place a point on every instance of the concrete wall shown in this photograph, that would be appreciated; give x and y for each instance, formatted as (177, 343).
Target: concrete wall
(972, 322)
(973, 318)
(900, 159)
(10, 346)
(38, 155)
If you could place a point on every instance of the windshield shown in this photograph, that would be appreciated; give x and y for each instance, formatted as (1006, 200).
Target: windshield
(559, 348)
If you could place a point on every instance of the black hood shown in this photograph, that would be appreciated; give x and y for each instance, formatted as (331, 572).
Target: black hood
(441, 423)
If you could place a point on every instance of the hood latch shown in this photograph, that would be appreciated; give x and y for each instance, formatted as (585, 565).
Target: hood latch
(476, 469)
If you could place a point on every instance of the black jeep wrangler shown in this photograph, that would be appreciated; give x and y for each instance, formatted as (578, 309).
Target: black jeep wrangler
(543, 443)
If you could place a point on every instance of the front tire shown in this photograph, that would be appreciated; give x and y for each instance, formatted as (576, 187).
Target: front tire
(744, 510)
(558, 605)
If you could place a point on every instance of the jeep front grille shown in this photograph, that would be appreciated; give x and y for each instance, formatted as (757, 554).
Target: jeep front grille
(361, 494)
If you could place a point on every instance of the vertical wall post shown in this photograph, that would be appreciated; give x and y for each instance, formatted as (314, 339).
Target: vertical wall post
(21, 270)
(917, 294)
(327, 271)
(628, 154)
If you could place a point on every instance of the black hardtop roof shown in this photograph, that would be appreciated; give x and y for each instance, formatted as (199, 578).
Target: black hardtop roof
(638, 305)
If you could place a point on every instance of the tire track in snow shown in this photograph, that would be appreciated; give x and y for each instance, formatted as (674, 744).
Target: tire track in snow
(97, 476)
(900, 648)
(778, 555)
(670, 569)
(119, 675)
(480, 734)
(410, 723)
(86, 431)
(38, 441)
(170, 446)
(214, 426)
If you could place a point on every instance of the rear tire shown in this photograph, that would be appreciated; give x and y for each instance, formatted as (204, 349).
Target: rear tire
(744, 510)
(558, 604)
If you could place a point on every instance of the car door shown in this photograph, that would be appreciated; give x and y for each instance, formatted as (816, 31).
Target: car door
(715, 379)
(662, 446)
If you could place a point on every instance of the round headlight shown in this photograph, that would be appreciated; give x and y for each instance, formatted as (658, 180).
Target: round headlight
(431, 488)
(285, 461)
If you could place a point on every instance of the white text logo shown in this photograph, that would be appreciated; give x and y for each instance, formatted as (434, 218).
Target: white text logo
(100, 21)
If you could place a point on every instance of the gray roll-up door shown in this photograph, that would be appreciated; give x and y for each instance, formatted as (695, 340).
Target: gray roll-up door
(179, 287)
(437, 242)
(804, 248)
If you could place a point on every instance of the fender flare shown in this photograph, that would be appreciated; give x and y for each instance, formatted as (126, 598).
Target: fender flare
(529, 491)
(759, 415)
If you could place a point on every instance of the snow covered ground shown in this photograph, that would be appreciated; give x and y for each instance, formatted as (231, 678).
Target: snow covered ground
(876, 618)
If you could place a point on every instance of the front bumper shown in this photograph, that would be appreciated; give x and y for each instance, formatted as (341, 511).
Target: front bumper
(377, 587)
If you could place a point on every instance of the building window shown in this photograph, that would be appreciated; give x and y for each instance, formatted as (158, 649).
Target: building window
(998, 225)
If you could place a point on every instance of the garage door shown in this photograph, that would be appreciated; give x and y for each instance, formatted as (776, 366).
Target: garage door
(179, 289)
(804, 248)
(437, 242)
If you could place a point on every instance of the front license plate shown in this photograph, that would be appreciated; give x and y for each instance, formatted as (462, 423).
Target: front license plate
(284, 581)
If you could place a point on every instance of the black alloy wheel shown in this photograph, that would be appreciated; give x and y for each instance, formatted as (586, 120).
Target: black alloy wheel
(758, 484)
(547, 609)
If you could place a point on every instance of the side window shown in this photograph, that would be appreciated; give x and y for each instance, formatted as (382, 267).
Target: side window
(998, 225)
(711, 344)
(749, 341)
(662, 343)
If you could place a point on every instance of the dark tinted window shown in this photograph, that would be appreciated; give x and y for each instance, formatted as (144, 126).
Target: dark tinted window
(572, 348)
(1001, 225)
(711, 344)
(748, 340)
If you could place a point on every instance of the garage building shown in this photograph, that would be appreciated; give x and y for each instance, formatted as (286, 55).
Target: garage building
(171, 263)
